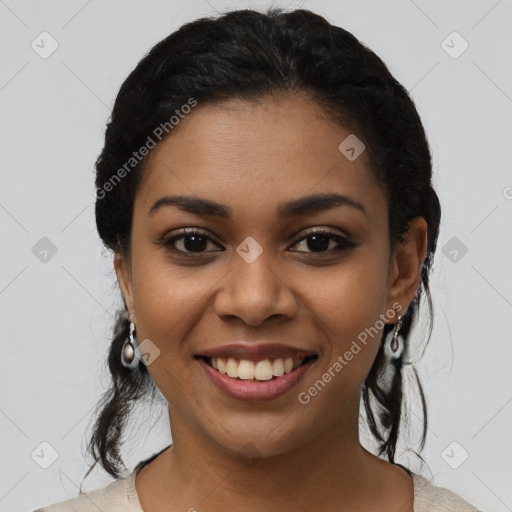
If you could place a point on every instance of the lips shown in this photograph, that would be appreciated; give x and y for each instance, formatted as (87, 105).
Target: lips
(252, 390)
(255, 372)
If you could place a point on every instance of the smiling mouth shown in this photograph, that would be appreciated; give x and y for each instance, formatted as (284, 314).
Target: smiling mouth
(262, 370)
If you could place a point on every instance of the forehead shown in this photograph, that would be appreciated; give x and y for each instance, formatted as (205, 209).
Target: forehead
(265, 152)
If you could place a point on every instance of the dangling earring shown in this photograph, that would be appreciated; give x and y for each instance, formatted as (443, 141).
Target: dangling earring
(394, 345)
(128, 352)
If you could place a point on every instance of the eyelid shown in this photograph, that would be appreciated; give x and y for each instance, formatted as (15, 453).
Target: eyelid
(343, 240)
(323, 231)
(167, 240)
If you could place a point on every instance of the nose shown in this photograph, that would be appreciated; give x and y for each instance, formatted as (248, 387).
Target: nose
(254, 292)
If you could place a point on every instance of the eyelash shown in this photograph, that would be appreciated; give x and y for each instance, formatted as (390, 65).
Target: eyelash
(342, 241)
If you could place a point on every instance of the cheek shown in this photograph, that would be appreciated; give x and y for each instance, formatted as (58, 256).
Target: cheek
(352, 296)
(349, 308)
(168, 305)
(350, 305)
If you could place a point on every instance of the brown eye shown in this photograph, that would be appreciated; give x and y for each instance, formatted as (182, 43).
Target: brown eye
(188, 242)
(320, 241)
(194, 242)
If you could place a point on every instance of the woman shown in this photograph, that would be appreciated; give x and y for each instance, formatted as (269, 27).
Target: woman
(265, 187)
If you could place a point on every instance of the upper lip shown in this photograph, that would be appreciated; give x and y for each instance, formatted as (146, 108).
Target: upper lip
(255, 351)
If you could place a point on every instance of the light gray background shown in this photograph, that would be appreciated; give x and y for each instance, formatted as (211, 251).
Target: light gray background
(56, 316)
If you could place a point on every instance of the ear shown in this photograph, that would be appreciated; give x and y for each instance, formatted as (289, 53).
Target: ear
(406, 264)
(123, 272)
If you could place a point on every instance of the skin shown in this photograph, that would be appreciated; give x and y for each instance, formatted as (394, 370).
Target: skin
(252, 156)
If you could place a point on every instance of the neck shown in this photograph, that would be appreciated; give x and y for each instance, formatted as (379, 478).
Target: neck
(332, 468)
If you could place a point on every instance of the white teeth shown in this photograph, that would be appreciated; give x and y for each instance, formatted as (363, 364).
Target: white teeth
(232, 368)
(246, 370)
(261, 370)
(278, 367)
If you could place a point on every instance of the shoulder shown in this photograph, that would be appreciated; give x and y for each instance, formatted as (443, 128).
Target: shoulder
(428, 497)
(121, 494)
(118, 495)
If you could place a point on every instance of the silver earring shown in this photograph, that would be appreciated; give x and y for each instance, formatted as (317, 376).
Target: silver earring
(394, 345)
(129, 357)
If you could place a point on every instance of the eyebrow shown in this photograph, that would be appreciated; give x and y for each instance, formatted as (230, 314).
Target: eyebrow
(307, 205)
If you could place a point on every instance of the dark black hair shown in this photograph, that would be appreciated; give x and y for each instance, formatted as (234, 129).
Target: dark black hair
(249, 55)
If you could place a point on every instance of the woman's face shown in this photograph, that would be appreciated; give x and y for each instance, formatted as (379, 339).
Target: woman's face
(250, 273)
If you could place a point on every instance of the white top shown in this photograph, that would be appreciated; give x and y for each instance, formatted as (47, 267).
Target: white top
(121, 495)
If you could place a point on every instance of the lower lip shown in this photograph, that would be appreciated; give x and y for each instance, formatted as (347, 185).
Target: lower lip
(255, 391)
